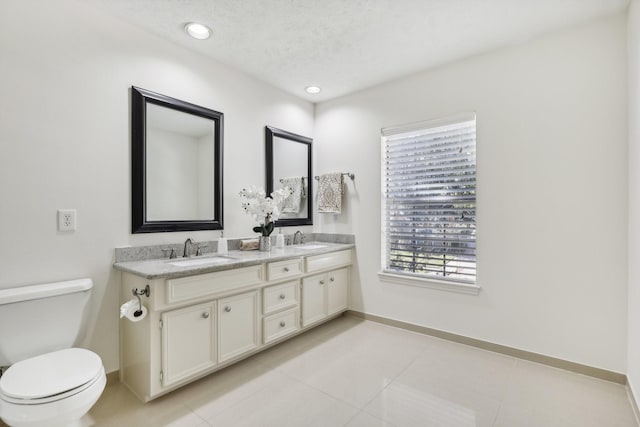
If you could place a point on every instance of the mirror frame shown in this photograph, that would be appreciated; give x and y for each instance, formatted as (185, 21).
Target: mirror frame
(139, 100)
(270, 133)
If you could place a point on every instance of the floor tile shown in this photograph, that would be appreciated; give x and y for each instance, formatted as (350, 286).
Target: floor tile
(365, 420)
(346, 378)
(566, 396)
(286, 403)
(119, 407)
(353, 365)
(449, 367)
(407, 406)
(218, 391)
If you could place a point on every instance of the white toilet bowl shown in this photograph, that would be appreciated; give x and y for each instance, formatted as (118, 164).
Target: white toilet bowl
(53, 389)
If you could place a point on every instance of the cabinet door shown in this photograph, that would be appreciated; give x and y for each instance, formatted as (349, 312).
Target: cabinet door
(313, 299)
(238, 325)
(188, 342)
(337, 291)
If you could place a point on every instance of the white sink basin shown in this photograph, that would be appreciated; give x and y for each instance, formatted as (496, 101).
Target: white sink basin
(199, 261)
(311, 246)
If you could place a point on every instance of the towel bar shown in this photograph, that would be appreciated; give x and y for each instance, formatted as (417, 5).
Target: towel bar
(349, 174)
(303, 179)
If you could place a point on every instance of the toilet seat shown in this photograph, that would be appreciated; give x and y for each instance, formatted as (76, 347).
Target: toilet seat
(53, 398)
(50, 377)
(63, 412)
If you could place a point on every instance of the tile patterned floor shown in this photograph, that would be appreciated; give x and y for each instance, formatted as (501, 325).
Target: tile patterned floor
(355, 373)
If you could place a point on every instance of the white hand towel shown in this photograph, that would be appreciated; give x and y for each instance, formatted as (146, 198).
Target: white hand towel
(293, 202)
(330, 193)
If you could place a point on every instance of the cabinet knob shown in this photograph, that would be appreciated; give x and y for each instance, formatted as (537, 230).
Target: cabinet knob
(282, 296)
(227, 309)
(331, 279)
(282, 324)
(205, 315)
(322, 282)
(286, 269)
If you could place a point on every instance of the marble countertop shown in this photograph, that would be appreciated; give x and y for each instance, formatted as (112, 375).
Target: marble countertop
(166, 268)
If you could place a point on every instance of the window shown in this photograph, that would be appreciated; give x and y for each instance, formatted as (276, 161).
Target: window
(429, 200)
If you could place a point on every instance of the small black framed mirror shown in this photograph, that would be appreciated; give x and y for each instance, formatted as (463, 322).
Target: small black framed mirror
(288, 158)
(176, 159)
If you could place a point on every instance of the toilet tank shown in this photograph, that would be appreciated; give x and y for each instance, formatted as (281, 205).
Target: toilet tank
(38, 319)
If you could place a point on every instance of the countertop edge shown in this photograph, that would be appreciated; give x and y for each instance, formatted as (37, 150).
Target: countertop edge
(162, 269)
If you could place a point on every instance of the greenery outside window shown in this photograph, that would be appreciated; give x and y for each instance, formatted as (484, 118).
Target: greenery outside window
(429, 200)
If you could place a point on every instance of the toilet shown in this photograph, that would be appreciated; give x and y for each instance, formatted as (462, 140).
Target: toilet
(48, 382)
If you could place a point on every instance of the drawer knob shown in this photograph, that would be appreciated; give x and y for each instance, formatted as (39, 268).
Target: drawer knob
(205, 315)
(282, 296)
(282, 324)
(322, 282)
(227, 309)
(331, 279)
(286, 269)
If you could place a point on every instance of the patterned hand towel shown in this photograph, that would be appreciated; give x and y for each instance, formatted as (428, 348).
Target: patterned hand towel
(293, 202)
(330, 193)
(249, 244)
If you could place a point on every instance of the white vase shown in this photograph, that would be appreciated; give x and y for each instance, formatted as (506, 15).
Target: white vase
(264, 243)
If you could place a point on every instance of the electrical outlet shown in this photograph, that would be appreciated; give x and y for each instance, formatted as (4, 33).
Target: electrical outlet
(66, 220)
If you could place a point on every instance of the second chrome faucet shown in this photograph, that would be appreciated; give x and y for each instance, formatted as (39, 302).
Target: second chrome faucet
(295, 237)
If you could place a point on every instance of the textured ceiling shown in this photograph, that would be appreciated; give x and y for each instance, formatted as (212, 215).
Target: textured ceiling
(347, 45)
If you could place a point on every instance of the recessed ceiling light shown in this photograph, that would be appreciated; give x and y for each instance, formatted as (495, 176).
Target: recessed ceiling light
(312, 89)
(197, 31)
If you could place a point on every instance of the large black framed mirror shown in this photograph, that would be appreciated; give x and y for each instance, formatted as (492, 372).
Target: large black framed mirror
(288, 158)
(176, 159)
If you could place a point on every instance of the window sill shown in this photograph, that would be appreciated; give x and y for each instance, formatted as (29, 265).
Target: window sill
(442, 285)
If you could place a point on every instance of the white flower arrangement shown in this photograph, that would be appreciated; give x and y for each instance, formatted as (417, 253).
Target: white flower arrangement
(264, 209)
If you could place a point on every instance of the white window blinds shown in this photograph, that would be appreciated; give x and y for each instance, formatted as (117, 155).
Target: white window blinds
(429, 203)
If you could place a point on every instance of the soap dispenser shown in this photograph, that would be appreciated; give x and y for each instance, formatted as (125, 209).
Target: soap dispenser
(280, 240)
(223, 247)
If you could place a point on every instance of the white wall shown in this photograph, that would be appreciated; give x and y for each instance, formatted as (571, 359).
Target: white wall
(64, 142)
(552, 192)
(633, 46)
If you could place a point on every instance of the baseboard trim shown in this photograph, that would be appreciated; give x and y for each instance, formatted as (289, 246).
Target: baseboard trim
(498, 348)
(633, 401)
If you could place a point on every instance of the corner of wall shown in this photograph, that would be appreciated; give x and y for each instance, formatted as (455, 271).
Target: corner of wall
(633, 316)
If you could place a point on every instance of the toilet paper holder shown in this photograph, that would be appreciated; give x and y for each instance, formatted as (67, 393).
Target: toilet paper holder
(138, 293)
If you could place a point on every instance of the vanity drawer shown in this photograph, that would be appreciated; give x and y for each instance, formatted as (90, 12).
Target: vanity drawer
(279, 297)
(327, 261)
(284, 269)
(208, 285)
(281, 324)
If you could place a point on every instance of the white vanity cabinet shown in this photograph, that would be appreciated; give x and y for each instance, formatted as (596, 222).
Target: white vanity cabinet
(199, 323)
(313, 299)
(337, 291)
(188, 342)
(324, 295)
(238, 325)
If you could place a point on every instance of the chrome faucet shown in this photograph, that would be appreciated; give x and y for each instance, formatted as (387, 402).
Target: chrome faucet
(295, 237)
(187, 247)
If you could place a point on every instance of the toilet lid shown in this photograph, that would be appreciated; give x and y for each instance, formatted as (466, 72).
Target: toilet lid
(50, 374)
